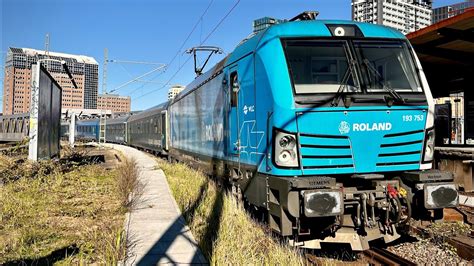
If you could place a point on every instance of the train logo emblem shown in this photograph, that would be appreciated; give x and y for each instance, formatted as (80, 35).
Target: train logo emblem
(249, 109)
(344, 127)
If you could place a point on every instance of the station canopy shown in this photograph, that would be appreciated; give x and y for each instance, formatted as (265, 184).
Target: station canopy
(446, 52)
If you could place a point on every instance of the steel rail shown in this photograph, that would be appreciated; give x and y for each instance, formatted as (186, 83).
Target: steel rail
(379, 256)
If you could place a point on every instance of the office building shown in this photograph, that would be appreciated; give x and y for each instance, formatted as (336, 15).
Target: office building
(114, 102)
(18, 72)
(445, 12)
(404, 15)
(174, 90)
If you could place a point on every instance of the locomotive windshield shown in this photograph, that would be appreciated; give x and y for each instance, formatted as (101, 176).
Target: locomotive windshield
(387, 64)
(319, 66)
(324, 66)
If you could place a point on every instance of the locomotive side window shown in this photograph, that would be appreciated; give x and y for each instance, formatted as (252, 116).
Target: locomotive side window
(235, 87)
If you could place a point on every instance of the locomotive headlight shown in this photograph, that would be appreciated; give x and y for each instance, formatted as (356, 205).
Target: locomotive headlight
(441, 195)
(285, 150)
(287, 142)
(429, 145)
(339, 31)
(286, 156)
(321, 203)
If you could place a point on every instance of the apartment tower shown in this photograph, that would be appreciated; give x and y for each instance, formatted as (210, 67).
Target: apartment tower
(404, 15)
(174, 90)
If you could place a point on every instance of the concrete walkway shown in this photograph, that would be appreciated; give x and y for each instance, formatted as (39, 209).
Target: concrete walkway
(156, 231)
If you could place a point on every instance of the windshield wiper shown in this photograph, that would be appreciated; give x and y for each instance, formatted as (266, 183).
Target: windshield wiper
(395, 95)
(345, 80)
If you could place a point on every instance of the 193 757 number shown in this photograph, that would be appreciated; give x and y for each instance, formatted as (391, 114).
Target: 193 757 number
(409, 118)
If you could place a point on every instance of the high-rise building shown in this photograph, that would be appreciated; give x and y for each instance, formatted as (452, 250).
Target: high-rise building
(404, 15)
(174, 90)
(444, 12)
(114, 102)
(17, 79)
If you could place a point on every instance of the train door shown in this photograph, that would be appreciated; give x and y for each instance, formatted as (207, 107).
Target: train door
(234, 123)
(164, 131)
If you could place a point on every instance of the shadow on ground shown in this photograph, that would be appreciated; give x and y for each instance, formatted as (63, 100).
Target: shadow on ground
(177, 229)
(50, 259)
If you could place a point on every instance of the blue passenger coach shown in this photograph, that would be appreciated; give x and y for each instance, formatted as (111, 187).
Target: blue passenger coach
(87, 130)
(327, 126)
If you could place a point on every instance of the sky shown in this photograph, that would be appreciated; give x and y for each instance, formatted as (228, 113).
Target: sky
(146, 31)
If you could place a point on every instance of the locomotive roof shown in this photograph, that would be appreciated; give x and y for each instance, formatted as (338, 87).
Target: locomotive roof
(294, 29)
(151, 111)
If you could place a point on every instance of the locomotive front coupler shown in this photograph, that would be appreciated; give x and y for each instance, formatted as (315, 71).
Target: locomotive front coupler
(386, 202)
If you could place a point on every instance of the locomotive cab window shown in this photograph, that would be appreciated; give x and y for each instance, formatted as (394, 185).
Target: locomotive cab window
(234, 89)
(387, 64)
(319, 66)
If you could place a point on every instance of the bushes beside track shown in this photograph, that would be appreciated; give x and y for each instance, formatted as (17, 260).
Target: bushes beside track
(223, 229)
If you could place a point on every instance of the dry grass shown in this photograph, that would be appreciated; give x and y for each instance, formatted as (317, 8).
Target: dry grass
(14, 168)
(128, 185)
(46, 212)
(225, 232)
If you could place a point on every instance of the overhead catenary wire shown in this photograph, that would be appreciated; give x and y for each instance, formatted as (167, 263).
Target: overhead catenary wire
(179, 49)
(191, 32)
(189, 57)
(182, 45)
(145, 82)
(139, 77)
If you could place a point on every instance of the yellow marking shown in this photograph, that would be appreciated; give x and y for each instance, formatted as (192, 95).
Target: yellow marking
(402, 192)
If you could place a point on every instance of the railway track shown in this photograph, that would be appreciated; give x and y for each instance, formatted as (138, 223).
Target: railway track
(373, 256)
(379, 256)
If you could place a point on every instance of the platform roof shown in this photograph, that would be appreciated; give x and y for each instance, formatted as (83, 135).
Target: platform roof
(446, 52)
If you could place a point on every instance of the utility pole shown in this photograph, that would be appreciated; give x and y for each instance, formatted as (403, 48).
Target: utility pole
(46, 49)
(46, 44)
(103, 117)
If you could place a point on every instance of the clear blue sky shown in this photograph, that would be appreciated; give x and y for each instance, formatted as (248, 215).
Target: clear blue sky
(144, 30)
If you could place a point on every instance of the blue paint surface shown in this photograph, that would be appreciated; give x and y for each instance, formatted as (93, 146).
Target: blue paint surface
(203, 121)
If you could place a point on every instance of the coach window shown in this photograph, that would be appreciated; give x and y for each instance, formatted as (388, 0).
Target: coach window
(235, 87)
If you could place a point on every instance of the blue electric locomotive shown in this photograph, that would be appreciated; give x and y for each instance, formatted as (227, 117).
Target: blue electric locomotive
(327, 126)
